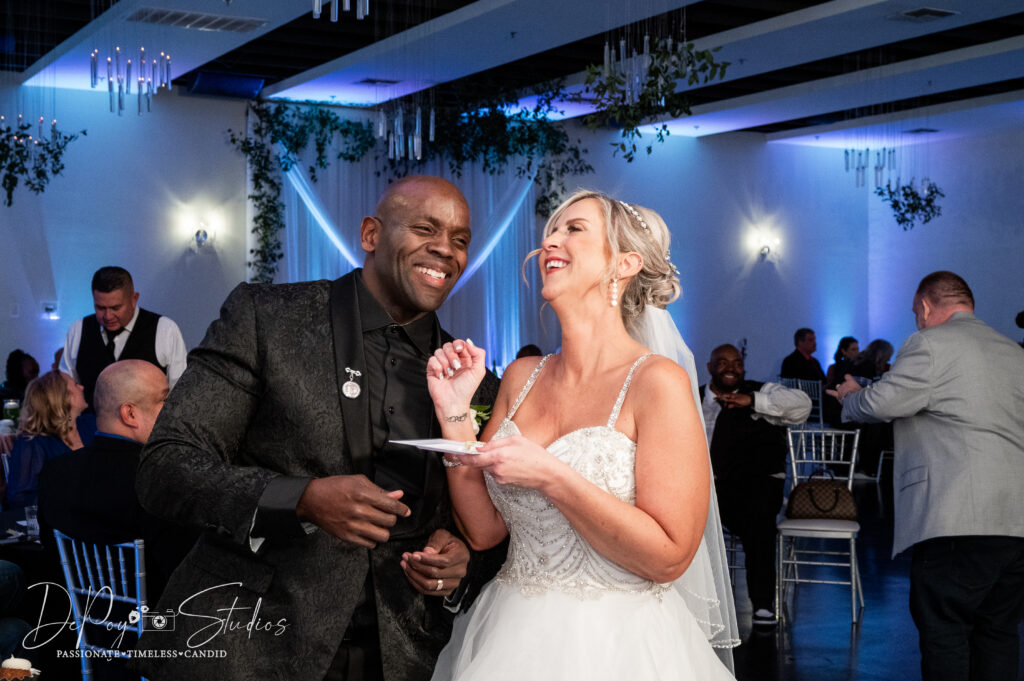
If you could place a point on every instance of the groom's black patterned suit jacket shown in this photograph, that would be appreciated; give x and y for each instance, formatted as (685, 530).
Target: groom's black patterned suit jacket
(261, 401)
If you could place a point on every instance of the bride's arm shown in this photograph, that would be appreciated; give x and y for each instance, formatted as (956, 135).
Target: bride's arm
(658, 537)
(475, 515)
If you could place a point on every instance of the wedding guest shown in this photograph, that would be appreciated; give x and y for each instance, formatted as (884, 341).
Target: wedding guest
(22, 368)
(842, 360)
(278, 443)
(873, 362)
(12, 591)
(870, 365)
(120, 329)
(801, 363)
(956, 399)
(89, 494)
(56, 359)
(529, 350)
(47, 428)
(746, 427)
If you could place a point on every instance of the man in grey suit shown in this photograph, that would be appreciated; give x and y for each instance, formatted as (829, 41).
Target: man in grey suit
(956, 399)
(276, 441)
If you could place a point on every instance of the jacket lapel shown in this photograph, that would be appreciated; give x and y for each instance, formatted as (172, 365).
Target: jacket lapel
(348, 352)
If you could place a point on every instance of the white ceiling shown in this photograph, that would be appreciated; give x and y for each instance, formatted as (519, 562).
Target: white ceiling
(492, 32)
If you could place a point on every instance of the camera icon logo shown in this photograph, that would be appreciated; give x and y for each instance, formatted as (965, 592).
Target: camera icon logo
(152, 621)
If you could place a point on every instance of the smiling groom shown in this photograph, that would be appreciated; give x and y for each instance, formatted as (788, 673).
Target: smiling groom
(276, 443)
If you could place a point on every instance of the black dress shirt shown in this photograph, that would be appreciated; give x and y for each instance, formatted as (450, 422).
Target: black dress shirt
(400, 405)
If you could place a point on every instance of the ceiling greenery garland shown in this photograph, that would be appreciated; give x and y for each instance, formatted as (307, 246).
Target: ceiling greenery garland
(643, 88)
(908, 205)
(477, 123)
(32, 160)
(485, 130)
(278, 133)
(484, 125)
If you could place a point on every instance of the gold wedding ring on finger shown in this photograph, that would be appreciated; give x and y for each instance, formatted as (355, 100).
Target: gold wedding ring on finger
(440, 585)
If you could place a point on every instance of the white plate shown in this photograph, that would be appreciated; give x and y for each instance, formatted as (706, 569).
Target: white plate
(442, 445)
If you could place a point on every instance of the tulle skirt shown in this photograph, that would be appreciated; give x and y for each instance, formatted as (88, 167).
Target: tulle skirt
(558, 637)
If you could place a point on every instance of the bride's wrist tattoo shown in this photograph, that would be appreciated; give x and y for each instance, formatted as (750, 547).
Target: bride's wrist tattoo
(456, 419)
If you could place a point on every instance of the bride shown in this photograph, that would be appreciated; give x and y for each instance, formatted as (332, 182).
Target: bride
(596, 463)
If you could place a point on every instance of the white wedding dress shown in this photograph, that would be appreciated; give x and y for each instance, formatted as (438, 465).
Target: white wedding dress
(558, 609)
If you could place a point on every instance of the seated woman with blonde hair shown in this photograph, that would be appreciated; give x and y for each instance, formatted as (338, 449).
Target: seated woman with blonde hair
(47, 428)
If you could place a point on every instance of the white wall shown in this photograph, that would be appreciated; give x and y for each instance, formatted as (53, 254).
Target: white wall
(980, 236)
(131, 194)
(134, 189)
(713, 192)
(843, 267)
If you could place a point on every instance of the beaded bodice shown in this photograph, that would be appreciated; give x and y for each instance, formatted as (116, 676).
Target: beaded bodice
(545, 552)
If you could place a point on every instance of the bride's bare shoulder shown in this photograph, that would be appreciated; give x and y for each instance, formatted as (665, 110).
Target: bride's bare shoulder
(661, 378)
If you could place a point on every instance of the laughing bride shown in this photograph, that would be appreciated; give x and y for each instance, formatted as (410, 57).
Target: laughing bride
(596, 464)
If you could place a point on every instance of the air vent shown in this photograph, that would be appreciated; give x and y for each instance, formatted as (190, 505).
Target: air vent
(920, 131)
(196, 20)
(925, 14)
(376, 81)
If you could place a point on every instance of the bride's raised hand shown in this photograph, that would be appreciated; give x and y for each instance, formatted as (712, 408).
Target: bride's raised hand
(453, 374)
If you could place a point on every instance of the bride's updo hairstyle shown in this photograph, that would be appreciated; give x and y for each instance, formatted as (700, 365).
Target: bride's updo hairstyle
(632, 229)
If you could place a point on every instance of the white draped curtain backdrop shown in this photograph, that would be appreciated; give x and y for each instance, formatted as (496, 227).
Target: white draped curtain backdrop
(491, 303)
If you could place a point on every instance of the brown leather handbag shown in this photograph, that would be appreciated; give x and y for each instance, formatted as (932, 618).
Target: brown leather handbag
(821, 497)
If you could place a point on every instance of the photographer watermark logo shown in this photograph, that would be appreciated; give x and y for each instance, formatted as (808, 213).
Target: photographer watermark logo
(153, 621)
(194, 628)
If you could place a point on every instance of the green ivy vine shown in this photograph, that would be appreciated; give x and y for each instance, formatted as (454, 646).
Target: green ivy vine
(26, 159)
(908, 205)
(477, 123)
(292, 127)
(632, 92)
(487, 130)
(492, 130)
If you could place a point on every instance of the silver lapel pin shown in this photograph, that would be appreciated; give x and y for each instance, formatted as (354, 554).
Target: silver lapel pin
(350, 388)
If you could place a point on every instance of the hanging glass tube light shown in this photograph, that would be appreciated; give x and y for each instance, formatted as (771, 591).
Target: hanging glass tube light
(110, 84)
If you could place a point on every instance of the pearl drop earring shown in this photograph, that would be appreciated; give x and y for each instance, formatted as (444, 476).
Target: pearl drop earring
(615, 292)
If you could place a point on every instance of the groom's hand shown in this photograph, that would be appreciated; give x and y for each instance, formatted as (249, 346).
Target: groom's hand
(351, 508)
(438, 569)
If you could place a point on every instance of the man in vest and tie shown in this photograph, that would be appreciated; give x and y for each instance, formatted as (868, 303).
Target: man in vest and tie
(120, 329)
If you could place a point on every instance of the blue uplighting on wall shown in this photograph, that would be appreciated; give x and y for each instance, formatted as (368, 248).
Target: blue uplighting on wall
(297, 178)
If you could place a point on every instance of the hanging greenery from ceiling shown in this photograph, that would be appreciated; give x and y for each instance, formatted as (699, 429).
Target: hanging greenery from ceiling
(482, 129)
(908, 205)
(483, 124)
(478, 122)
(634, 90)
(33, 161)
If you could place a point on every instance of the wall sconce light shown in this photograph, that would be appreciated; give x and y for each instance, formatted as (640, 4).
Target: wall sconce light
(763, 242)
(50, 311)
(203, 238)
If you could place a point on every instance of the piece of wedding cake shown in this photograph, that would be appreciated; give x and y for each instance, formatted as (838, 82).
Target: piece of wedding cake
(17, 668)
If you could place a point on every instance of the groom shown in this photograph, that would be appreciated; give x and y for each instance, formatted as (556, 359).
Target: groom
(276, 441)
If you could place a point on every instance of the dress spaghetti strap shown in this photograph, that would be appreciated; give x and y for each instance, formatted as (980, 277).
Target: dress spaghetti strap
(526, 388)
(622, 393)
